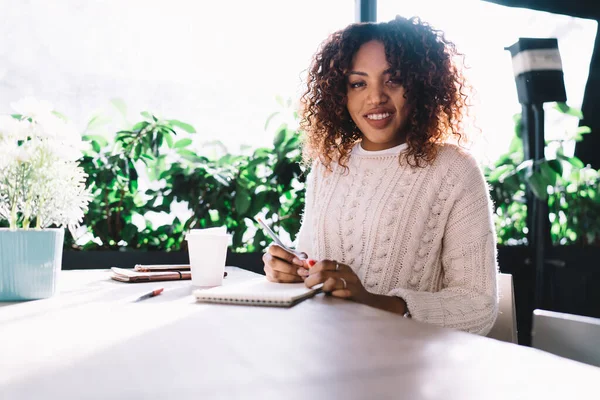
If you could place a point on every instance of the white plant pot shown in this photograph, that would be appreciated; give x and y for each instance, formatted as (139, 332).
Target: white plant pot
(29, 263)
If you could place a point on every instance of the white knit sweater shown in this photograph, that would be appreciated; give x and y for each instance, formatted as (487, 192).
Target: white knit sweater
(423, 234)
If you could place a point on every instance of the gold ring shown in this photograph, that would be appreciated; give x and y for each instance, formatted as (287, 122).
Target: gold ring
(337, 266)
(344, 282)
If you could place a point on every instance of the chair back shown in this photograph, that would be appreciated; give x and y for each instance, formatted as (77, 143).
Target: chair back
(567, 335)
(505, 328)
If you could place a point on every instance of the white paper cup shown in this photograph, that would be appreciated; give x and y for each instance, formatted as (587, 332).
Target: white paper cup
(207, 251)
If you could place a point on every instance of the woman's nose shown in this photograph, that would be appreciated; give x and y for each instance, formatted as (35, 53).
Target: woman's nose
(377, 95)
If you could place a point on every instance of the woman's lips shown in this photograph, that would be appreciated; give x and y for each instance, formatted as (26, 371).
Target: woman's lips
(380, 123)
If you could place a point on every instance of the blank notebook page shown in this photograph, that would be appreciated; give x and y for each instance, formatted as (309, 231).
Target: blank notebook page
(257, 291)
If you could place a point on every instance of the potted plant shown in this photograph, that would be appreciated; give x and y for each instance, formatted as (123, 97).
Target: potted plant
(41, 186)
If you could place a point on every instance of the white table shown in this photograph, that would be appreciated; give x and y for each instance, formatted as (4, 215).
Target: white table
(91, 342)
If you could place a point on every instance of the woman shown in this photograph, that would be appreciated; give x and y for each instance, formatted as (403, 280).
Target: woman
(396, 216)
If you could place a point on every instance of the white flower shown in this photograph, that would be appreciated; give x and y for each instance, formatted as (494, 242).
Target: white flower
(52, 126)
(12, 128)
(22, 155)
(40, 178)
(64, 197)
(8, 152)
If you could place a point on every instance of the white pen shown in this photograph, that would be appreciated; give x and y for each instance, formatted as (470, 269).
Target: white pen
(278, 241)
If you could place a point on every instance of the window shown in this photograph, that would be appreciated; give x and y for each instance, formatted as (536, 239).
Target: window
(481, 31)
(217, 65)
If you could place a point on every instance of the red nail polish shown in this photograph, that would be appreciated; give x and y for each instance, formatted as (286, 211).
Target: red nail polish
(311, 262)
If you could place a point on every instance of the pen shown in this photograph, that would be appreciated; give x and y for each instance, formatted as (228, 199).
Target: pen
(149, 295)
(278, 241)
(161, 267)
(164, 268)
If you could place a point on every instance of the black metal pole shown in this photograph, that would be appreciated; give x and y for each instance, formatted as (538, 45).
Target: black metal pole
(366, 10)
(539, 80)
(528, 138)
(541, 224)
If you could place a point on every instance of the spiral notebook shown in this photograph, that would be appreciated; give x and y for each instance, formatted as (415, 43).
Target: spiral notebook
(258, 292)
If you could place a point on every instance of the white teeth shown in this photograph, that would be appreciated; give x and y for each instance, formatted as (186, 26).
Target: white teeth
(378, 116)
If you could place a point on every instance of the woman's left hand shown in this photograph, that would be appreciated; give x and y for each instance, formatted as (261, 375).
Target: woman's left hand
(337, 279)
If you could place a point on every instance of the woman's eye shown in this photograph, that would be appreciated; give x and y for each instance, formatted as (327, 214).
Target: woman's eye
(356, 85)
(394, 82)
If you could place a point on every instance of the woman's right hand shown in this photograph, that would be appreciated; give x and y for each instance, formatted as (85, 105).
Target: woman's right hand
(282, 266)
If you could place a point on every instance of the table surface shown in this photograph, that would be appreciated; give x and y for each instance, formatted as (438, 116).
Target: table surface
(91, 342)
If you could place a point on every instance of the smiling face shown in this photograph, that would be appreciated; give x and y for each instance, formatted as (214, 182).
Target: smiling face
(376, 100)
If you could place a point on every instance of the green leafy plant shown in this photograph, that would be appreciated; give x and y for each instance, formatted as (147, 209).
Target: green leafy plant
(233, 189)
(230, 190)
(113, 179)
(571, 189)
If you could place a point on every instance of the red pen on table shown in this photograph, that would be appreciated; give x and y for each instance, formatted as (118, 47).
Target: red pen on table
(149, 295)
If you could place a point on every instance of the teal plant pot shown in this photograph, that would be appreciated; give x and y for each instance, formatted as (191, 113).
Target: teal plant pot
(29, 263)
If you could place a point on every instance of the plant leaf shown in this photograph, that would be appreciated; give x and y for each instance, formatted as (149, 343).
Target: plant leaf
(96, 146)
(60, 115)
(168, 138)
(147, 115)
(556, 165)
(576, 162)
(565, 109)
(100, 139)
(279, 138)
(524, 167)
(242, 201)
(259, 236)
(538, 185)
(97, 122)
(140, 125)
(516, 145)
(549, 173)
(137, 151)
(188, 154)
(582, 130)
(517, 118)
(182, 143)
(119, 104)
(498, 172)
(269, 118)
(182, 125)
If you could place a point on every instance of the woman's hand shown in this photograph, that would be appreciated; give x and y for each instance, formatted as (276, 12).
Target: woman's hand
(283, 267)
(337, 279)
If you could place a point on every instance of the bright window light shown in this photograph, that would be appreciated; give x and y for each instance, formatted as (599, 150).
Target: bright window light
(481, 31)
(218, 65)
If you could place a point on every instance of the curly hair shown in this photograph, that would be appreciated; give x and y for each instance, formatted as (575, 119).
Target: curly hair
(435, 90)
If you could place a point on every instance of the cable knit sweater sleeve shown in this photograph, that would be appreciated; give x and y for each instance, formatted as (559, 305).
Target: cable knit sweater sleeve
(303, 242)
(468, 297)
